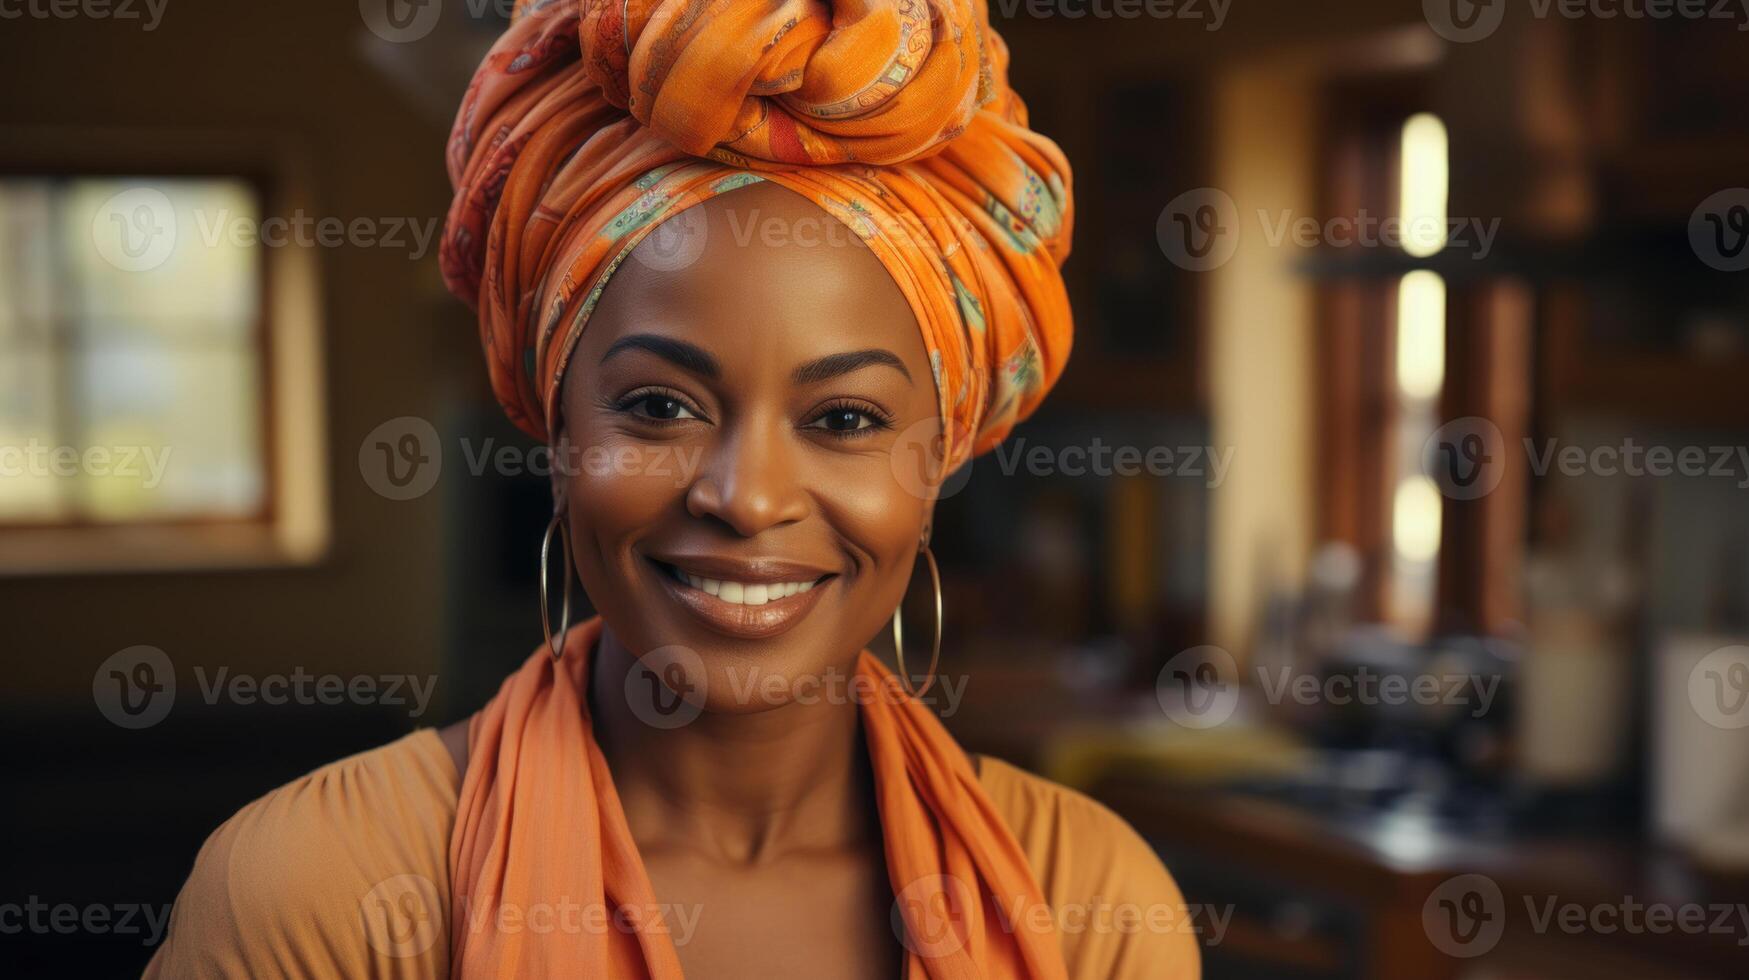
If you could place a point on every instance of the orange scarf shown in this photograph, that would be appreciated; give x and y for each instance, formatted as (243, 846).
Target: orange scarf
(545, 874)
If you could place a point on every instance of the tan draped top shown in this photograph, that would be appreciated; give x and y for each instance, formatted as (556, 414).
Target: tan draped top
(343, 873)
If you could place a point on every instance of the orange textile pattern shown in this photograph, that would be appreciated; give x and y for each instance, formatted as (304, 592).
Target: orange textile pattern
(539, 825)
(590, 124)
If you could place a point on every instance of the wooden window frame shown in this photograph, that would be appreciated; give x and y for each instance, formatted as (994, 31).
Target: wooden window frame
(292, 526)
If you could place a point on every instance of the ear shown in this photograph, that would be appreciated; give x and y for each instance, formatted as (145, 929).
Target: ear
(559, 449)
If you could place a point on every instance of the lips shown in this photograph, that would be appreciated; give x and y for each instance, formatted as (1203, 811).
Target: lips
(751, 599)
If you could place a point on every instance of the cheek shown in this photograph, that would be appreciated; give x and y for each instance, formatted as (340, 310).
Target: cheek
(877, 517)
(617, 487)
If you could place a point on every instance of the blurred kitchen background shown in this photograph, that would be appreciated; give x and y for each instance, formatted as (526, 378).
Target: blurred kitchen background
(1417, 617)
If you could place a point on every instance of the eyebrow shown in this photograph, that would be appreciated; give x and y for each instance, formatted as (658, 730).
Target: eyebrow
(687, 356)
(833, 365)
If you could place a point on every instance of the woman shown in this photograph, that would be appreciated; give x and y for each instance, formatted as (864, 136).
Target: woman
(816, 252)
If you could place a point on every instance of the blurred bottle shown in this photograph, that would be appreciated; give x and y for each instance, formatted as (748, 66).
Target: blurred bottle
(1576, 681)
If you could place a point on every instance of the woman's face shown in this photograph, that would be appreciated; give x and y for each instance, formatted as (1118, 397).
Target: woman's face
(730, 423)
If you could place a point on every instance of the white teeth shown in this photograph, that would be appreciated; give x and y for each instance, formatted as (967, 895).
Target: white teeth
(743, 593)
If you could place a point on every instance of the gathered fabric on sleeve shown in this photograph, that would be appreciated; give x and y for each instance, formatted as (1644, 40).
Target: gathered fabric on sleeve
(1120, 915)
(341, 873)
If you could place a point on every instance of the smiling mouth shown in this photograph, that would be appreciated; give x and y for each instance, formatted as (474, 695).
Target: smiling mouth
(742, 608)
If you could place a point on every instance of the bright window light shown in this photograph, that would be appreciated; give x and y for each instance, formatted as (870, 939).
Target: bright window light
(1421, 334)
(1415, 523)
(1425, 179)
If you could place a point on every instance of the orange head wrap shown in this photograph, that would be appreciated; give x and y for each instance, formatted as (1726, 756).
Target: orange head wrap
(591, 122)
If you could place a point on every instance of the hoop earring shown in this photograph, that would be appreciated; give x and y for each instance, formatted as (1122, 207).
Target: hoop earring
(546, 543)
(899, 627)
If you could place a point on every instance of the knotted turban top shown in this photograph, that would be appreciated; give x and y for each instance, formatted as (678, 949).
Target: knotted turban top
(592, 122)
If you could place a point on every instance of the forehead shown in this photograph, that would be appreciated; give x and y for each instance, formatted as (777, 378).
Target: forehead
(758, 272)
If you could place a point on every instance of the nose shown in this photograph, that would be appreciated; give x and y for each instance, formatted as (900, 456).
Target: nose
(749, 482)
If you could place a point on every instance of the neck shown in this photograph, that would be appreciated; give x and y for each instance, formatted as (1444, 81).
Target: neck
(738, 787)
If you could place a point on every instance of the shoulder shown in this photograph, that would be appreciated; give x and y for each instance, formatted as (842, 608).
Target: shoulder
(1118, 910)
(301, 881)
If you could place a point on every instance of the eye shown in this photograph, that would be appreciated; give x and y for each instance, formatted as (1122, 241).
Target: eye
(658, 406)
(849, 420)
(844, 420)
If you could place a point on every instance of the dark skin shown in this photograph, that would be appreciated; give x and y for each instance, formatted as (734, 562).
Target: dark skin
(785, 363)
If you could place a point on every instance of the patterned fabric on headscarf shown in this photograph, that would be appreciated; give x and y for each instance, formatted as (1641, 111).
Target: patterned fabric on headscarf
(590, 123)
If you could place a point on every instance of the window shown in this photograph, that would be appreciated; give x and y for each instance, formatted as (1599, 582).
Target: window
(160, 393)
(131, 362)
